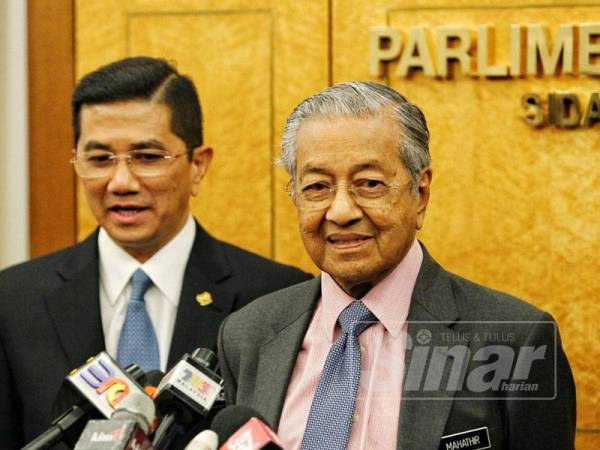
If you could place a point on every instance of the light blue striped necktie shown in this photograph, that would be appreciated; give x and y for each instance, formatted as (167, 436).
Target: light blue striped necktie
(330, 418)
(138, 343)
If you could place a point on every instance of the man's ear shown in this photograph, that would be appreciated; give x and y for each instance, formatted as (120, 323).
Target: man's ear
(423, 186)
(201, 158)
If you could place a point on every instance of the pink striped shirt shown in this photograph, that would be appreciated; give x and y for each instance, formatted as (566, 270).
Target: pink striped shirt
(383, 346)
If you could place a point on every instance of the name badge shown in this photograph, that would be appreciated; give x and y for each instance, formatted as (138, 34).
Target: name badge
(475, 439)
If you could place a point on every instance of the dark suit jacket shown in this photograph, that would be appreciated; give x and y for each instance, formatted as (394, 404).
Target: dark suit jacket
(258, 347)
(50, 319)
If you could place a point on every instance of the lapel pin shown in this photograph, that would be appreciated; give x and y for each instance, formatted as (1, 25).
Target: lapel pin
(204, 298)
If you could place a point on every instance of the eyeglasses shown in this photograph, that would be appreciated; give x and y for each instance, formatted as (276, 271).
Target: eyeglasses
(366, 193)
(102, 163)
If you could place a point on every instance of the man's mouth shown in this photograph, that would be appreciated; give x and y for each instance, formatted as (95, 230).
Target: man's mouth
(127, 214)
(126, 209)
(342, 241)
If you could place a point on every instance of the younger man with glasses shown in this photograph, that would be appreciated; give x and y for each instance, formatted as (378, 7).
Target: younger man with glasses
(134, 286)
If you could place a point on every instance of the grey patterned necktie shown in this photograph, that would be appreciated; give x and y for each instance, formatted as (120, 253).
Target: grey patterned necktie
(138, 343)
(330, 418)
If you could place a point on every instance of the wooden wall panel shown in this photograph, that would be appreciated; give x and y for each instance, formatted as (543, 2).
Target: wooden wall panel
(297, 77)
(51, 79)
(244, 60)
(512, 207)
(237, 45)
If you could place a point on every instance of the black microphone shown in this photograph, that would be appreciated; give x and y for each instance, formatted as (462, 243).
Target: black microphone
(127, 428)
(78, 404)
(240, 427)
(65, 428)
(186, 395)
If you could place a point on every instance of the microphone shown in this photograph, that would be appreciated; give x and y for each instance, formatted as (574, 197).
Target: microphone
(186, 395)
(127, 428)
(205, 440)
(153, 379)
(103, 383)
(78, 407)
(65, 428)
(243, 428)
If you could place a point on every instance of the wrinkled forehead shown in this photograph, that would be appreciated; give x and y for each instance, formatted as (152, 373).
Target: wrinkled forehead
(336, 144)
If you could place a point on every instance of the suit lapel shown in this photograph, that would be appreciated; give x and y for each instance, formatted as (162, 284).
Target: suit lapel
(421, 422)
(197, 325)
(77, 300)
(277, 357)
(74, 307)
(424, 412)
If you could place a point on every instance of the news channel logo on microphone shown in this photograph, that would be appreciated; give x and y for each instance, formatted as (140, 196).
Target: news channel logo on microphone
(103, 383)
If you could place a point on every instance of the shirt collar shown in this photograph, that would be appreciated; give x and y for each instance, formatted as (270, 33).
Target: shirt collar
(165, 268)
(388, 300)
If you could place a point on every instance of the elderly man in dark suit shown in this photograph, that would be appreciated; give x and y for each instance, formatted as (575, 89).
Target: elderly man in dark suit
(386, 349)
(150, 284)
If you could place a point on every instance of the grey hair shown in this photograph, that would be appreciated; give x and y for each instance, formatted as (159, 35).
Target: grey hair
(362, 99)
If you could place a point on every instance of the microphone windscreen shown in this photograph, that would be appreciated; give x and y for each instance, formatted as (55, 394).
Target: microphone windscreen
(231, 419)
(205, 440)
(138, 407)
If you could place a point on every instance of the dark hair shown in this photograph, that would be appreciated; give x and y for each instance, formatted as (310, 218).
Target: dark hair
(143, 78)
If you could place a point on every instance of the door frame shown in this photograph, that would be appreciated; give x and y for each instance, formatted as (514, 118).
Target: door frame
(51, 77)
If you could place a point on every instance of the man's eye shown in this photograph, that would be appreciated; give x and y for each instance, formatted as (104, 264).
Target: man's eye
(316, 191)
(315, 187)
(147, 157)
(98, 158)
(369, 183)
(369, 186)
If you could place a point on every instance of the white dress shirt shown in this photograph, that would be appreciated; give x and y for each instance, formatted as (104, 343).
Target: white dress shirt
(165, 268)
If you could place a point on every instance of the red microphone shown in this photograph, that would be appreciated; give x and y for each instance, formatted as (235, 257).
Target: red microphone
(243, 428)
(253, 435)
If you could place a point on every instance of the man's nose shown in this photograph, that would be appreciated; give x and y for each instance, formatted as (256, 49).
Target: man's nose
(343, 209)
(123, 180)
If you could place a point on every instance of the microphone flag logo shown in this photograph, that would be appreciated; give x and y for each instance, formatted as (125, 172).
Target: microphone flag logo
(103, 383)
